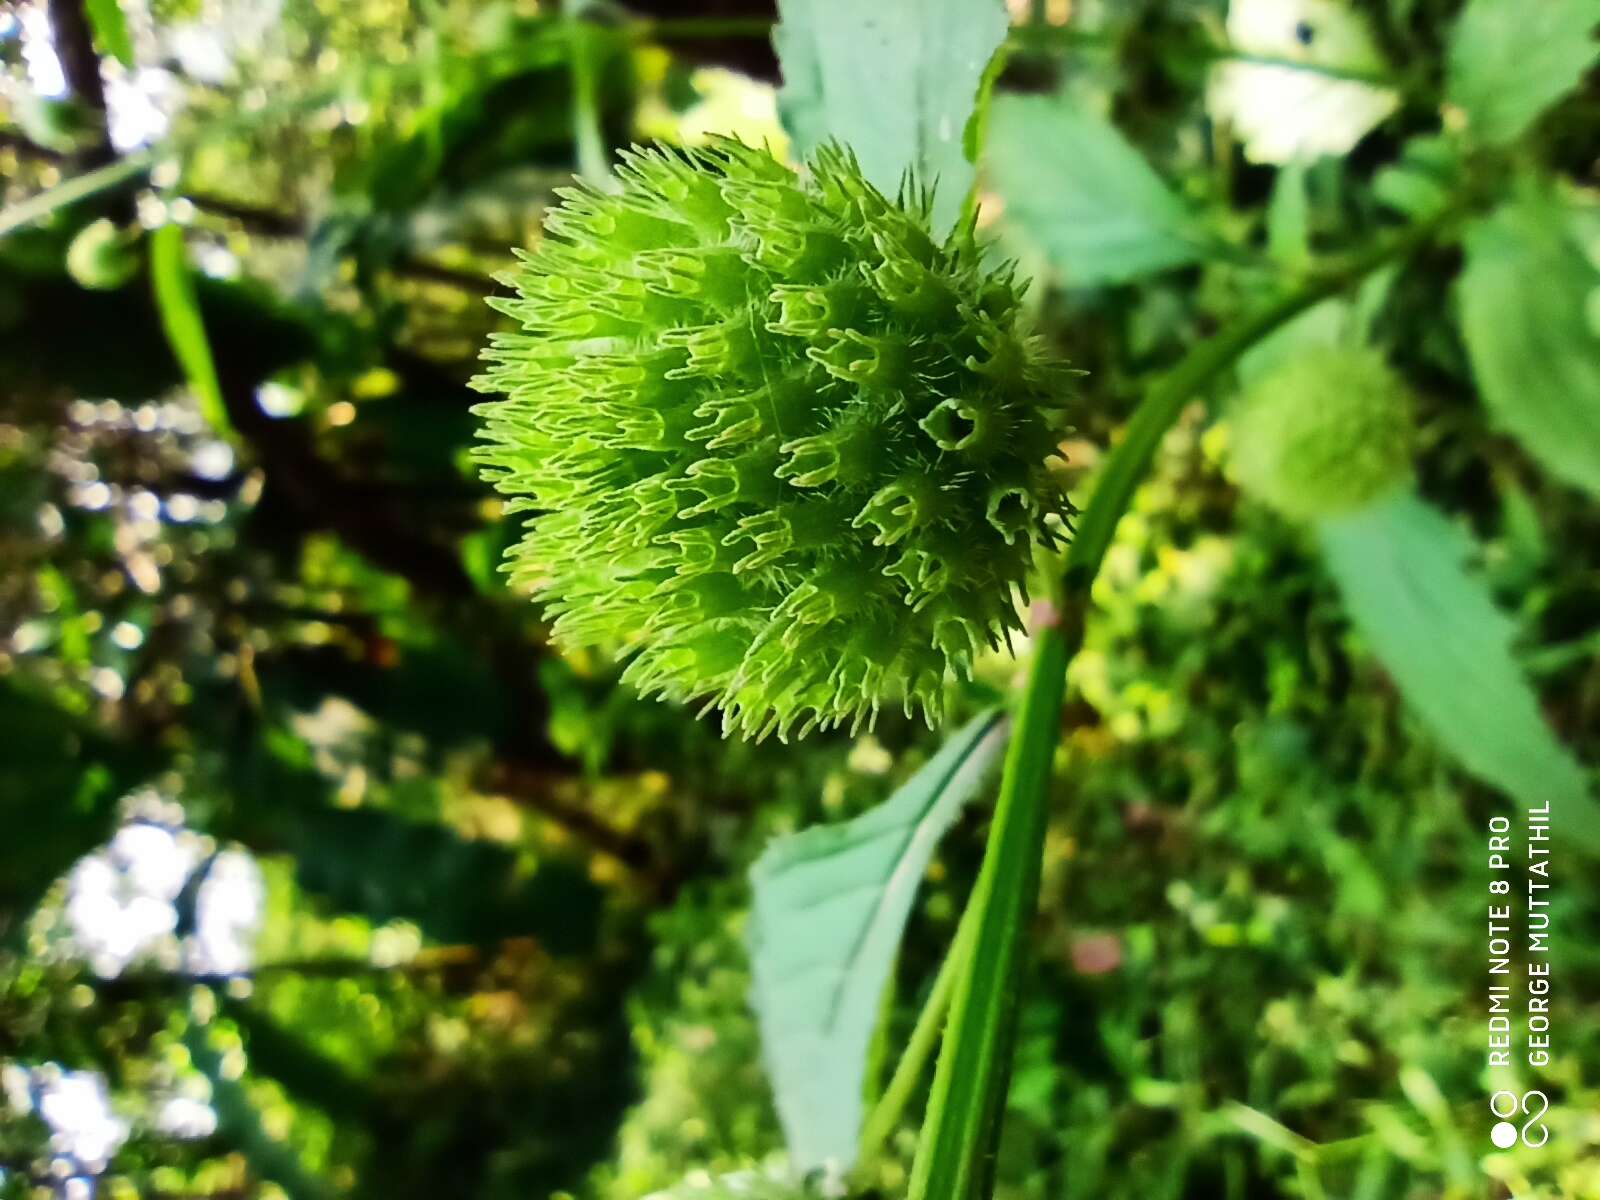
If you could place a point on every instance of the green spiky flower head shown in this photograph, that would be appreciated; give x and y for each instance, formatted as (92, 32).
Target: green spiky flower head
(1325, 432)
(779, 443)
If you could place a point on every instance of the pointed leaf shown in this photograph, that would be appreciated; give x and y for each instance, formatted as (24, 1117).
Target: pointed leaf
(1401, 567)
(1073, 185)
(180, 317)
(1524, 297)
(1510, 60)
(827, 914)
(894, 80)
(110, 29)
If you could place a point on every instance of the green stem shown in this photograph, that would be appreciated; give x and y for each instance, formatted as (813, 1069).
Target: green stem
(587, 134)
(961, 1129)
(79, 187)
(886, 1114)
(970, 1082)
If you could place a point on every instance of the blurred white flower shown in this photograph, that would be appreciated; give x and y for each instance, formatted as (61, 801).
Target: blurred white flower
(279, 400)
(202, 51)
(208, 49)
(186, 1117)
(337, 732)
(139, 106)
(1286, 113)
(121, 901)
(39, 52)
(212, 460)
(228, 911)
(217, 261)
(76, 1106)
(157, 859)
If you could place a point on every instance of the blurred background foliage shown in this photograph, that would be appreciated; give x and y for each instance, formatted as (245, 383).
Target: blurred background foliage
(322, 875)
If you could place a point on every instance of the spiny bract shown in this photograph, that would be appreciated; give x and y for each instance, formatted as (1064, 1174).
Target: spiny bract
(781, 444)
(1324, 433)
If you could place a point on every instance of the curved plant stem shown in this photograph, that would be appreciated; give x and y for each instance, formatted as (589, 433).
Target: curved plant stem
(79, 187)
(961, 1130)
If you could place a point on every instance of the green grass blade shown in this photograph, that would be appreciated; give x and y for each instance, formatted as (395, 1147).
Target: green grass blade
(588, 136)
(79, 187)
(180, 317)
(110, 29)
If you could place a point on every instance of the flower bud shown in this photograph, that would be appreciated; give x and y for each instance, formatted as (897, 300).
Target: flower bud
(777, 442)
(1323, 433)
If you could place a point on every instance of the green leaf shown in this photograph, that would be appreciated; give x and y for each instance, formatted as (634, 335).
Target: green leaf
(180, 317)
(1509, 60)
(1400, 565)
(1535, 356)
(110, 29)
(1071, 183)
(895, 80)
(828, 909)
(588, 133)
(1424, 180)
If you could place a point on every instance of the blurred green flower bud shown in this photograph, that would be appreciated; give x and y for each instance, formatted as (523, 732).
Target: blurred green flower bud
(103, 257)
(1323, 433)
(780, 444)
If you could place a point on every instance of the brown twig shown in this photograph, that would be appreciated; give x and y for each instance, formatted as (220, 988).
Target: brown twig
(80, 65)
(533, 786)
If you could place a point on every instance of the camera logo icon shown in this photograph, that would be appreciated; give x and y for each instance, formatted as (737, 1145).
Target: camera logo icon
(1531, 1105)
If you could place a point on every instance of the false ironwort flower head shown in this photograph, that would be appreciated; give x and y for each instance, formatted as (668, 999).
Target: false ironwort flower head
(779, 443)
(1327, 431)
